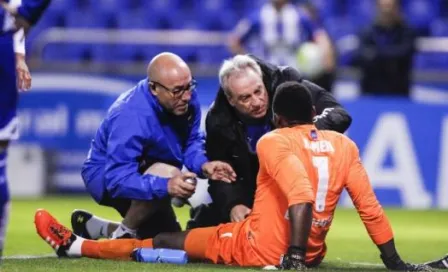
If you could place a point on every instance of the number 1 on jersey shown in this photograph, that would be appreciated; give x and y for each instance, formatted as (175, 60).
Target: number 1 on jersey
(323, 175)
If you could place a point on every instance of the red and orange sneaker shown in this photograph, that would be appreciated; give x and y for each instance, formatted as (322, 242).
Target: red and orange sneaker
(55, 234)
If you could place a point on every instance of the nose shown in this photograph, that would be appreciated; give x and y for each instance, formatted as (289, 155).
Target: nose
(257, 102)
(186, 96)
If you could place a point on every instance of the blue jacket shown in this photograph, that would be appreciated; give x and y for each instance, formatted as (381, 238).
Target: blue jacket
(137, 132)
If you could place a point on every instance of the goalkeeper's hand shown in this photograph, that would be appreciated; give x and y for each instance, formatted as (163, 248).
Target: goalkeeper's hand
(294, 259)
(397, 264)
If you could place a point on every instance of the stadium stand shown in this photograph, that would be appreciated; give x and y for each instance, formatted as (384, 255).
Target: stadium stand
(340, 17)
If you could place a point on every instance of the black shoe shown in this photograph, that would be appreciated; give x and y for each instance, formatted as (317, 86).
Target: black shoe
(79, 220)
(439, 264)
(203, 216)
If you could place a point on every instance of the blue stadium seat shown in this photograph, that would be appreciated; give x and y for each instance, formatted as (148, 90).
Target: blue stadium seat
(212, 54)
(187, 53)
(439, 27)
(442, 6)
(362, 12)
(224, 20)
(67, 52)
(87, 19)
(128, 19)
(430, 60)
(338, 27)
(182, 19)
(420, 13)
(162, 6)
(109, 5)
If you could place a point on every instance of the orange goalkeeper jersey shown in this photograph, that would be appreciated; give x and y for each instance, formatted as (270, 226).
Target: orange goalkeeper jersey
(303, 164)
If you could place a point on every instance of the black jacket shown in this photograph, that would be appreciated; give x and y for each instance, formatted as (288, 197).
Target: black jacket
(226, 139)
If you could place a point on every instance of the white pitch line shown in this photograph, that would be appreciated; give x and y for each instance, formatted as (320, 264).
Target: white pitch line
(367, 264)
(27, 257)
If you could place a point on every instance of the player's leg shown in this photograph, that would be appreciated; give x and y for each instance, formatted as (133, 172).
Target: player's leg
(8, 122)
(4, 194)
(163, 220)
(65, 243)
(194, 242)
(135, 213)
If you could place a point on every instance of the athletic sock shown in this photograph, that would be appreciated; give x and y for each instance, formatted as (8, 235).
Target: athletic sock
(75, 248)
(97, 227)
(123, 232)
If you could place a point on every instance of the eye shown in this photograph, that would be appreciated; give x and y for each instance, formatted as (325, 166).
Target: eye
(257, 92)
(245, 98)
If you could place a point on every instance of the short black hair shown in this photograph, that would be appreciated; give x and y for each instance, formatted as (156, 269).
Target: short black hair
(292, 101)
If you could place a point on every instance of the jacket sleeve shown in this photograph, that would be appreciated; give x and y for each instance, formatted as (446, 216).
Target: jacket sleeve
(224, 195)
(127, 137)
(32, 10)
(194, 153)
(330, 114)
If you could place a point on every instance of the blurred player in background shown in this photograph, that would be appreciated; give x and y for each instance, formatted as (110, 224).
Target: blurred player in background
(157, 121)
(279, 28)
(303, 172)
(385, 53)
(326, 76)
(14, 16)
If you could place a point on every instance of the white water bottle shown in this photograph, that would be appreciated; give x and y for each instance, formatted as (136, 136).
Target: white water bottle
(180, 202)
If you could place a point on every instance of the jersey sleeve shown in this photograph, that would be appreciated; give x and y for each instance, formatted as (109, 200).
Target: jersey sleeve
(19, 38)
(285, 168)
(363, 197)
(310, 28)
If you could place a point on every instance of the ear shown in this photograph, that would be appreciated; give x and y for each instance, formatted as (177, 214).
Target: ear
(230, 100)
(279, 121)
(152, 89)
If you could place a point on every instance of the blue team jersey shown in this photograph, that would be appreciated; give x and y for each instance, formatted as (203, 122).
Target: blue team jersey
(276, 36)
(137, 132)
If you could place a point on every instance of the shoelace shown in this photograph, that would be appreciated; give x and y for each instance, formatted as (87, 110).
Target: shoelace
(60, 231)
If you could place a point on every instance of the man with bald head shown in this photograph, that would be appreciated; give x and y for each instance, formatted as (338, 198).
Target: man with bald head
(150, 132)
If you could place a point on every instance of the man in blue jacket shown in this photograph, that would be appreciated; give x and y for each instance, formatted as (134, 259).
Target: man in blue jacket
(12, 18)
(156, 122)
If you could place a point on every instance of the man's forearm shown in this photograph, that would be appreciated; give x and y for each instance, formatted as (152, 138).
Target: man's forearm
(301, 217)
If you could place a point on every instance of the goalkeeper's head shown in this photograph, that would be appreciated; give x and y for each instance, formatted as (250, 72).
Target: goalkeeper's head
(292, 105)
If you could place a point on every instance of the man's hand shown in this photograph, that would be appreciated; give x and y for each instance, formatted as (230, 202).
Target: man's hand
(218, 170)
(177, 187)
(20, 22)
(23, 74)
(395, 263)
(294, 259)
(239, 212)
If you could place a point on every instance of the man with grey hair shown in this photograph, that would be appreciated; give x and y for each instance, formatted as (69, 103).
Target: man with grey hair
(239, 116)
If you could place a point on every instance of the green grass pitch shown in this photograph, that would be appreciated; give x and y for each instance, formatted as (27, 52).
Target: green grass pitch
(420, 236)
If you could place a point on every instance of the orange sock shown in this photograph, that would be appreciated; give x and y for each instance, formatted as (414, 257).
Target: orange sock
(119, 249)
(196, 242)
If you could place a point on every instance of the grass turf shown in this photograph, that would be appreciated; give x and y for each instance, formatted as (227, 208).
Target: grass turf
(420, 236)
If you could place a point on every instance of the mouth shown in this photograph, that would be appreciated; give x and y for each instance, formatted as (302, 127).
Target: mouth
(182, 107)
(259, 111)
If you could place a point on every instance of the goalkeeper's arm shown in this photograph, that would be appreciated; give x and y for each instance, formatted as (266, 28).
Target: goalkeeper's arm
(300, 216)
